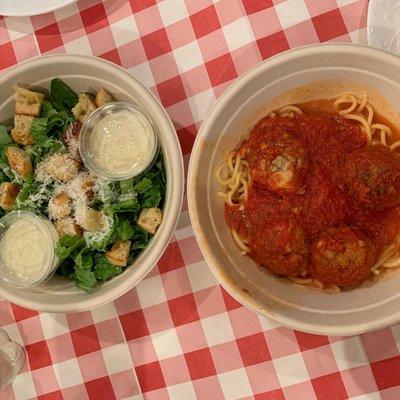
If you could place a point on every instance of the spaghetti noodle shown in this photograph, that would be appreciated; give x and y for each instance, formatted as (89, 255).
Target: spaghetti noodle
(235, 177)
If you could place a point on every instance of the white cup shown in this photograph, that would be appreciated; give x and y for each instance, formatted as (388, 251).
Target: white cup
(12, 358)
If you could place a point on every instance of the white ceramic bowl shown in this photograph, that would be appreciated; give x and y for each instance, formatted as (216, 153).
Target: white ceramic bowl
(83, 73)
(369, 307)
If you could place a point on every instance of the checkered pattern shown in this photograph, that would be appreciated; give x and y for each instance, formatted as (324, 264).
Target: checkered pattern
(178, 335)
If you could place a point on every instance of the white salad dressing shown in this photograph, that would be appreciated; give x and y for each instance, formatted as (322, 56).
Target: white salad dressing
(123, 143)
(24, 249)
(27, 249)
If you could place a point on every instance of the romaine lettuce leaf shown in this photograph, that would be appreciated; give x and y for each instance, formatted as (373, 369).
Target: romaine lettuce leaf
(63, 97)
(67, 245)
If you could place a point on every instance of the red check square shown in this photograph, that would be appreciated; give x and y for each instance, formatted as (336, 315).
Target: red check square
(307, 341)
(100, 387)
(387, 373)
(112, 56)
(252, 6)
(272, 395)
(150, 376)
(94, 18)
(172, 92)
(38, 355)
(221, 69)
(273, 44)
(134, 325)
(329, 25)
(200, 364)
(324, 386)
(139, 5)
(6, 60)
(183, 309)
(156, 43)
(49, 38)
(205, 21)
(52, 396)
(187, 137)
(172, 257)
(253, 349)
(230, 302)
(85, 340)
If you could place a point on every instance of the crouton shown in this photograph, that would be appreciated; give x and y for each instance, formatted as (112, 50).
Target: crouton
(19, 161)
(21, 133)
(67, 226)
(27, 102)
(8, 194)
(84, 107)
(119, 253)
(62, 167)
(70, 138)
(81, 188)
(103, 97)
(150, 219)
(89, 219)
(60, 206)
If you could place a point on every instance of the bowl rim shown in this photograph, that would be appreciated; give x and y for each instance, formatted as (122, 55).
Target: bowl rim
(193, 202)
(163, 236)
(53, 7)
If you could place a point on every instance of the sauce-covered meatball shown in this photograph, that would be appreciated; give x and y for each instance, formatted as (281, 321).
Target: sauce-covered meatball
(342, 256)
(278, 161)
(371, 177)
(281, 245)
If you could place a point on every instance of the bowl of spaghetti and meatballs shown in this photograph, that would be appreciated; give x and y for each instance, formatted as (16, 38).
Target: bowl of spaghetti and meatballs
(299, 217)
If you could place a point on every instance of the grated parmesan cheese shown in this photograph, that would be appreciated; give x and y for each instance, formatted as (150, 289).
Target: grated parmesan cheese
(128, 196)
(41, 174)
(82, 188)
(104, 191)
(60, 187)
(93, 238)
(40, 198)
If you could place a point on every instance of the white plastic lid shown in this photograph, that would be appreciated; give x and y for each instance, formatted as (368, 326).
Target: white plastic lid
(383, 25)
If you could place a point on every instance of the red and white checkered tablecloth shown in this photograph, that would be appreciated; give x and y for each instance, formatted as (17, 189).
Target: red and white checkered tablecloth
(178, 334)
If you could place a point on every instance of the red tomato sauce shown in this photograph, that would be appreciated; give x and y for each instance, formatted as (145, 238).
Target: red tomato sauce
(323, 204)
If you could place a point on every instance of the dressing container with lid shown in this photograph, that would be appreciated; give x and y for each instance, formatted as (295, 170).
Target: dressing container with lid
(27, 249)
(118, 142)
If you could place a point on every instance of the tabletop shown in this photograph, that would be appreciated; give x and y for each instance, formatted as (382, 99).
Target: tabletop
(178, 334)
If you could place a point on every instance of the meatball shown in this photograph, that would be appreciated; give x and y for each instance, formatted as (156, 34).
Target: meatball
(279, 243)
(342, 256)
(371, 177)
(278, 161)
